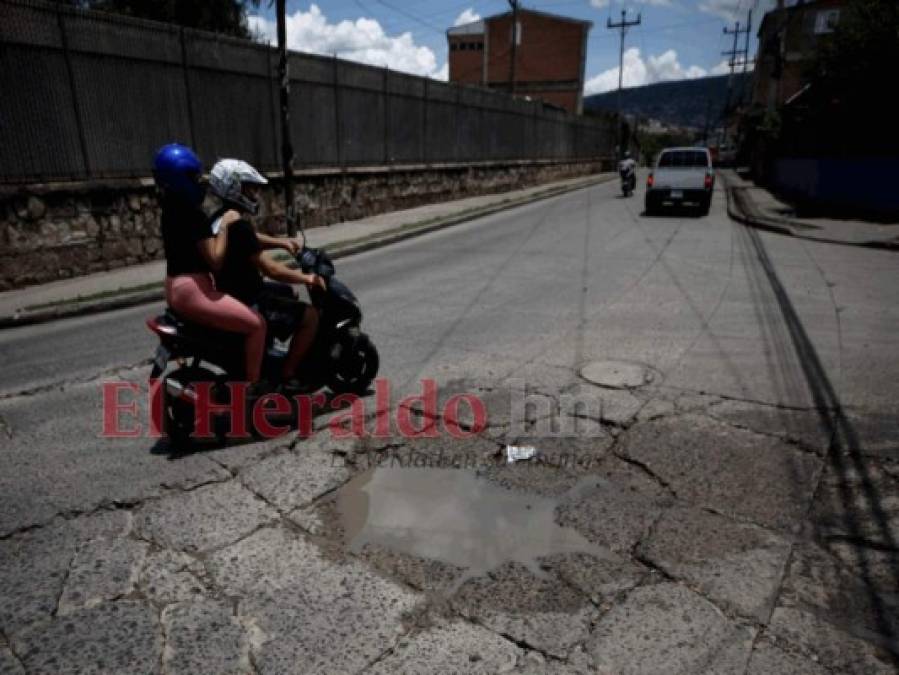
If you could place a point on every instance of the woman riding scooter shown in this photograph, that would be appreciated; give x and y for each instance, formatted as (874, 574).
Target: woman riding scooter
(237, 183)
(193, 252)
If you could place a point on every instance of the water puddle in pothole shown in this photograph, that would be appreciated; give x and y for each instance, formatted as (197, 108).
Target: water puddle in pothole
(456, 517)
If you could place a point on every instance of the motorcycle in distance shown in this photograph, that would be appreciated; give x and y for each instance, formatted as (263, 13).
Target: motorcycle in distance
(628, 174)
(342, 357)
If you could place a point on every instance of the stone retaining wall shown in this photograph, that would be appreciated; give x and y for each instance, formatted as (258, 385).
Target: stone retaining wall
(57, 231)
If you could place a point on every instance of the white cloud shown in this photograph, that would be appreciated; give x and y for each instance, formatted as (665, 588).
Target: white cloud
(722, 68)
(441, 73)
(735, 10)
(599, 4)
(467, 16)
(639, 71)
(362, 40)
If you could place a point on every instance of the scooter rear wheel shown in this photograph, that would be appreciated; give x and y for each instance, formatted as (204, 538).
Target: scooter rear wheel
(357, 368)
(179, 415)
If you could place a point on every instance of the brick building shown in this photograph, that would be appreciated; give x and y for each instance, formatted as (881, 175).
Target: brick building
(550, 55)
(788, 39)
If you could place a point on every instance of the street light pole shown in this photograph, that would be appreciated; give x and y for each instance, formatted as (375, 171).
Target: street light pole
(622, 25)
(286, 146)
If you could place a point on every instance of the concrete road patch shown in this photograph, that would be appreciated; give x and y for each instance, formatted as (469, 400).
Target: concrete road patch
(738, 566)
(457, 647)
(730, 470)
(669, 630)
(102, 570)
(542, 612)
(294, 479)
(310, 613)
(204, 637)
(768, 659)
(115, 637)
(203, 519)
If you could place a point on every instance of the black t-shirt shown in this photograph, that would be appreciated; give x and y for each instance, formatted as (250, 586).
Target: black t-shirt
(239, 276)
(183, 226)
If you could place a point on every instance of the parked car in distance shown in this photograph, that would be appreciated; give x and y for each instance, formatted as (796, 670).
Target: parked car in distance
(681, 176)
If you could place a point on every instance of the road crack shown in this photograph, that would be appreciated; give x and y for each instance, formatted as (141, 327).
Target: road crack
(61, 385)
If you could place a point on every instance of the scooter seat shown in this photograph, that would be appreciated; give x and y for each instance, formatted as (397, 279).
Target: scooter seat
(192, 330)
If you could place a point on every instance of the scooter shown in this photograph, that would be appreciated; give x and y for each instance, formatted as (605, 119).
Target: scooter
(628, 180)
(342, 357)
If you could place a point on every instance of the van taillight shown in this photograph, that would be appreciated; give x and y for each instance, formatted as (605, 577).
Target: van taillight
(708, 181)
(649, 180)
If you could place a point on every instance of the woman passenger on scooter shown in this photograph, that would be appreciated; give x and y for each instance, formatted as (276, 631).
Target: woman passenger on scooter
(237, 183)
(193, 252)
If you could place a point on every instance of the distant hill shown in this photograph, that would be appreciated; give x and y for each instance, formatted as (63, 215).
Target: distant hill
(683, 103)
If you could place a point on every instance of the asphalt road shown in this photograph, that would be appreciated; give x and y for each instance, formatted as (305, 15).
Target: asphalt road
(773, 384)
(567, 280)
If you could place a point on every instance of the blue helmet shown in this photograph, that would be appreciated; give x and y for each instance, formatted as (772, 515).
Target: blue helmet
(177, 170)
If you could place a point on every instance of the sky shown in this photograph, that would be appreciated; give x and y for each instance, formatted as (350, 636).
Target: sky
(676, 39)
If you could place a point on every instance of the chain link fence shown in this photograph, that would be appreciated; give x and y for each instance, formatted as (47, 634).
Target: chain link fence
(90, 95)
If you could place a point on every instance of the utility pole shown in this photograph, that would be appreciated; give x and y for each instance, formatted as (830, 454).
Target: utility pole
(514, 5)
(732, 54)
(622, 25)
(746, 45)
(286, 146)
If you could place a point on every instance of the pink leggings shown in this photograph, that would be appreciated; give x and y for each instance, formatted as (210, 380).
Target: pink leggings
(194, 297)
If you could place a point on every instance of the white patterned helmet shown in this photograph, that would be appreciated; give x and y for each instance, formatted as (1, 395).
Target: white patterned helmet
(227, 178)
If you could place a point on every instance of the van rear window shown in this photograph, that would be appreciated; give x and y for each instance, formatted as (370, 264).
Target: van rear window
(686, 158)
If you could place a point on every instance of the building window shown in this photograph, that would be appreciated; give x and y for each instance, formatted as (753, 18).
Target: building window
(480, 46)
(453, 46)
(826, 21)
(517, 32)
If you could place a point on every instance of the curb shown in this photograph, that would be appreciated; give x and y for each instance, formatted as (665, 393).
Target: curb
(736, 210)
(336, 251)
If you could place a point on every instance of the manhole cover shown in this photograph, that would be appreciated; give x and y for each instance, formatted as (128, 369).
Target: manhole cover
(617, 374)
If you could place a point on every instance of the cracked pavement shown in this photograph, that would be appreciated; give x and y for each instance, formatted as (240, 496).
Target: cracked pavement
(740, 508)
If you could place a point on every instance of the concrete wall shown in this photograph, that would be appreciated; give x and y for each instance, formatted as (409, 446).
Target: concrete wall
(61, 230)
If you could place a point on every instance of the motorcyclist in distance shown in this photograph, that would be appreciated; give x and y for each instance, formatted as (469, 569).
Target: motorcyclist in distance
(627, 170)
(236, 183)
(627, 162)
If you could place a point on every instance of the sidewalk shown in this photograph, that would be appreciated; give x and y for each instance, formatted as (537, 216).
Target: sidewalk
(755, 206)
(140, 284)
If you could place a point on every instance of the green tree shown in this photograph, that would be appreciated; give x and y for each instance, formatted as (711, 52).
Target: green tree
(853, 77)
(220, 16)
(857, 62)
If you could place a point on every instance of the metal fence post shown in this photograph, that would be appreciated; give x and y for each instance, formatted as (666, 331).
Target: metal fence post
(272, 107)
(337, 135)
(424, 124)
(190, 106)
(77, 109)
(386, 117)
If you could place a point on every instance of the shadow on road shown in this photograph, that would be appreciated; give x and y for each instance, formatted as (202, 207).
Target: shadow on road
(675, 212)
(174, 451)
(862, 505)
